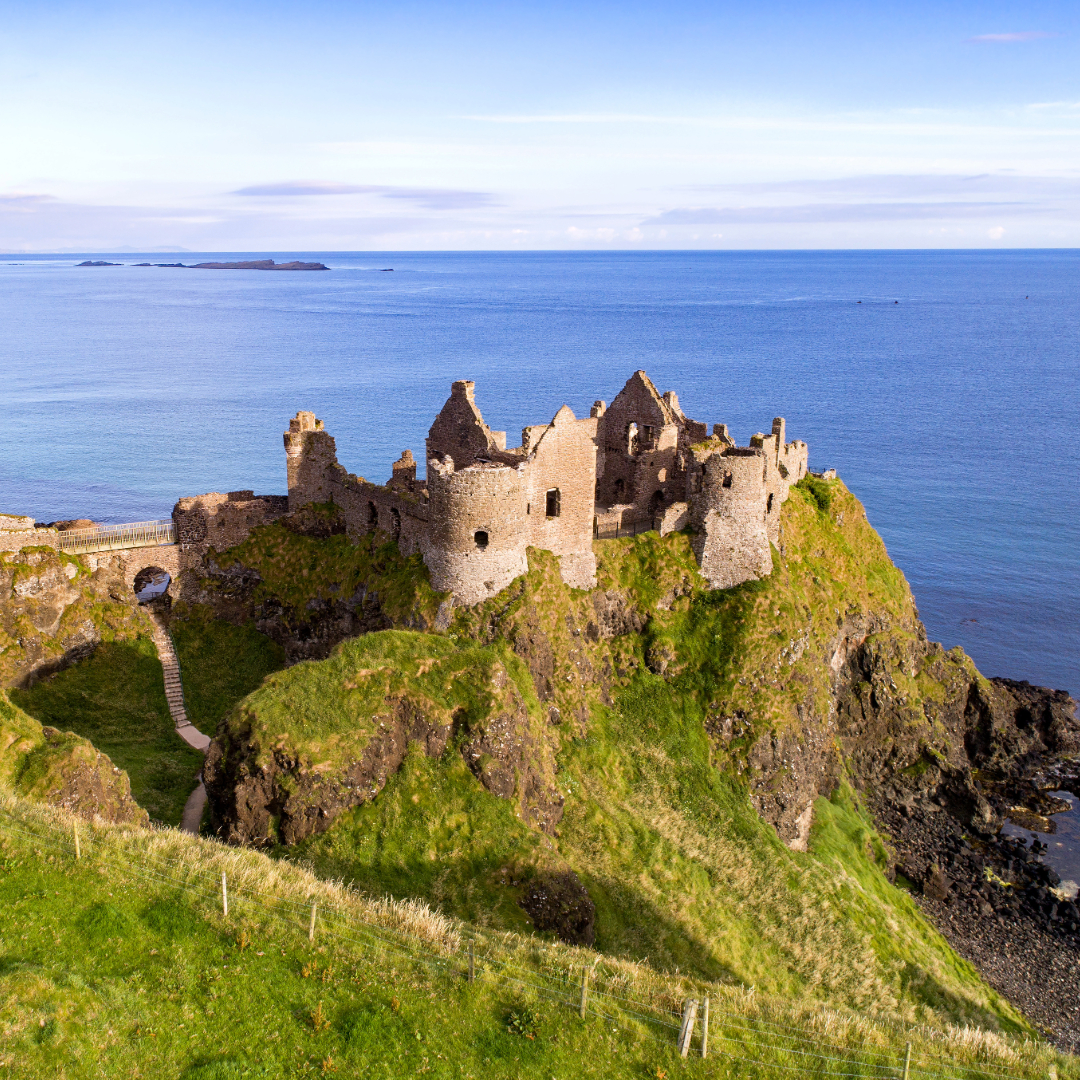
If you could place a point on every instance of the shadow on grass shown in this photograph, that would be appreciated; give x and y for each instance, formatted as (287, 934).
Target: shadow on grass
(116, 699)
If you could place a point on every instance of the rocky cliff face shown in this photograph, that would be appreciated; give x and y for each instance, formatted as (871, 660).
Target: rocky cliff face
(278, 772)
(306, 586)
(62, 769)
(820, 671)
(54, 610)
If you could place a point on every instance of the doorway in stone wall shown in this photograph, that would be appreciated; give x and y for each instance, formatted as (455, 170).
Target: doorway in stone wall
(151, 583)
(395, 524)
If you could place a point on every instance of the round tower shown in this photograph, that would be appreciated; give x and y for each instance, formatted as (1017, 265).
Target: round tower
(477, 539)
(728, 509)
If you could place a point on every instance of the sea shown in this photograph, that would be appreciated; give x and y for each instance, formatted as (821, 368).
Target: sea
(943, 386)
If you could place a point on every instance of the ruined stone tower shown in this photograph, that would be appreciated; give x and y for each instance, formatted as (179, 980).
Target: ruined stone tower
(639, 463)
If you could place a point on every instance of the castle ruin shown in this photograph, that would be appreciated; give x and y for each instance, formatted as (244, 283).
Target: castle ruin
(639, 462)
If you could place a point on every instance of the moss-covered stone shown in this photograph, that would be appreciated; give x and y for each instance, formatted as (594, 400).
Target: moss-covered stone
(62, 769)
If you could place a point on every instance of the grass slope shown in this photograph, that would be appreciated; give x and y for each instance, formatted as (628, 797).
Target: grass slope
(658, 822)
(220, 663)
(123, 964)
(116, 699)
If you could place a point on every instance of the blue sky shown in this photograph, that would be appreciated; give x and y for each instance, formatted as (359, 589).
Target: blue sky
(334, 126)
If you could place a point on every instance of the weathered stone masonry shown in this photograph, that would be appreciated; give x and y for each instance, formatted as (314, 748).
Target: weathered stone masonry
(638, 462)
(641, 460)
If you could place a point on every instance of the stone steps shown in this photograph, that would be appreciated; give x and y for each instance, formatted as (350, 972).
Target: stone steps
(174, 687)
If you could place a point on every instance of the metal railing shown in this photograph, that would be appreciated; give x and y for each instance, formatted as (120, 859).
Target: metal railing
(630, 528)
(111, 537)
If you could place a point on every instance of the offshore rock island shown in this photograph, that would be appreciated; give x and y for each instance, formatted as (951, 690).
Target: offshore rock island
(626, 684)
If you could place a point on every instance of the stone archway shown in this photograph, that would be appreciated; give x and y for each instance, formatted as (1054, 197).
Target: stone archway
(151, 583)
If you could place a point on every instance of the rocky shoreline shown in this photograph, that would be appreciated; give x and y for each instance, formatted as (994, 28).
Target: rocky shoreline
(995, 901)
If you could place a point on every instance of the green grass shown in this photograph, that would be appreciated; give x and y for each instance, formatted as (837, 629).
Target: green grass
(296, 569)
(435, 833)
(123, 964)
(116, 699)
(658, 820)
(220, 663)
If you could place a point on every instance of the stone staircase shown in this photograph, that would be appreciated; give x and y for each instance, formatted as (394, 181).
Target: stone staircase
(174, 689)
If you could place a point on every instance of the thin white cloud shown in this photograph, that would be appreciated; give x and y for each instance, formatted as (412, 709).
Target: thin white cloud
(584, 118)
(909, 186)
(821, 213)
(429, 198)
(1010, 38)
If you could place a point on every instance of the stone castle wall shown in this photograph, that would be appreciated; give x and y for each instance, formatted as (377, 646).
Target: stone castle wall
(478, 538)
(639, 463)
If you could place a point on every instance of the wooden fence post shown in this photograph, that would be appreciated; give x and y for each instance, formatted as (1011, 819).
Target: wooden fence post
(224, 896)
(311, 925)
(472, 963)
(584, 990)
(78, 853)
(705, 1030)
(907, 1062)
(687, 1032)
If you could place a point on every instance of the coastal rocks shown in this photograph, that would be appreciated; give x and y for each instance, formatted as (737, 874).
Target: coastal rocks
(997, 903)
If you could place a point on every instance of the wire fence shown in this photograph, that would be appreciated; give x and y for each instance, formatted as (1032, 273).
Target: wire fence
(456, 952)
(112, 537)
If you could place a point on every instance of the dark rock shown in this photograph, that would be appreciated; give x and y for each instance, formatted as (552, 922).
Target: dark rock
(560, 904)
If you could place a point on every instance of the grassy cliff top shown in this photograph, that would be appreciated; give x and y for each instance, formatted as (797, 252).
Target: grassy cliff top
(123, 963)
(658, 821)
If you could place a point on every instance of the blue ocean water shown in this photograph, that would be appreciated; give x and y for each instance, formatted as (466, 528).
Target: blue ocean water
(947, 399)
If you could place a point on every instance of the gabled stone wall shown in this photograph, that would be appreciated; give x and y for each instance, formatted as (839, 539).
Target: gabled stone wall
(639, 463)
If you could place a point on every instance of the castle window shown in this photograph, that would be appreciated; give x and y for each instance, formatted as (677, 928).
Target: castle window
(481, 539)
(395, 523)
(768, 504)
(727, 480)
(620, 489)
(553, 500)
(372, 515)
(646, 435)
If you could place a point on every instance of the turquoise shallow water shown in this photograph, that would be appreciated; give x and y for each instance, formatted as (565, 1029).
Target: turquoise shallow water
(952, 413)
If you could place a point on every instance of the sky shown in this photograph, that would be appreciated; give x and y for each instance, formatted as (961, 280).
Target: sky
(323, 126)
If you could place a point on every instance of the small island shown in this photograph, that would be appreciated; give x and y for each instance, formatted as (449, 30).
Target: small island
(259, 264)
(98, 262)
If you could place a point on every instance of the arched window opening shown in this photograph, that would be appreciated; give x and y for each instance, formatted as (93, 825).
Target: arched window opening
(620, 490)
(553, 502)
(372, 515)
(656, 503)
(768, 504)
(646, 435)
(395, 523)
(481, 539)
(727, 480)
(631, 439)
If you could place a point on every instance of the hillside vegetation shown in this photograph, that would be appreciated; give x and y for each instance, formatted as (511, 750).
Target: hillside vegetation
(633, 717)
(124, 963)
(624, 780)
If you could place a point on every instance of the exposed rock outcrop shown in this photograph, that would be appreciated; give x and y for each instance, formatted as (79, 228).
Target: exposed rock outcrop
(62, 769)
(270, 778)
(54, 609)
